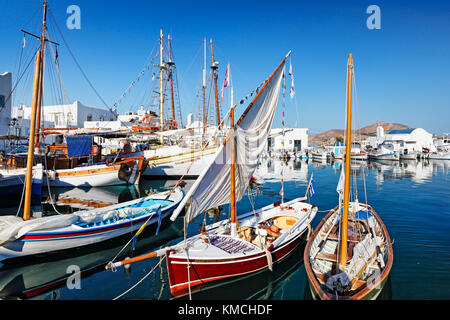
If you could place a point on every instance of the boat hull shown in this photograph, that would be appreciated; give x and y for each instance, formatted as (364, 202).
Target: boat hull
(12, 181)
(75, 236)
(202, 272)
(91, 176)
(368, 292)
(387, 156)
(186, 166)
(359, 156)
(193, 271)
(372, 295)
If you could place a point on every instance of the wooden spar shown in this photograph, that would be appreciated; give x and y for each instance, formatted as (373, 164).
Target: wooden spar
(261, 90)
(161, 96)
(170, 63)
(214, 68)
(31, 140)
(344, 223)
(41, 77)
(256, 97)
(204, 86)
(232, 176)
(146, 256)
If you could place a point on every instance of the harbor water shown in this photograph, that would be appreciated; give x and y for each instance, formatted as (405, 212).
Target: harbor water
(411, 197)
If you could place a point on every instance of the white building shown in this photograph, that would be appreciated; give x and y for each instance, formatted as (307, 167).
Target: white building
(295, 140)
(59, 116)
(66, 115)
(5, 102)
(403, 140)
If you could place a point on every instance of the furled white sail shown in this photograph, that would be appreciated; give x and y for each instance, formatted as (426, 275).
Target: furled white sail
(212, 188)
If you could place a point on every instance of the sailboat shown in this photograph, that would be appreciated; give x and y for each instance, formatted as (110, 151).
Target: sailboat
(69, 165)
(244, 244)
(349, 255)
(196, 146)
(27, 236)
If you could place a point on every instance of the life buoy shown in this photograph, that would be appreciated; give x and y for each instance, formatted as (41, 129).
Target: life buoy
(146, 119)
(173, 124)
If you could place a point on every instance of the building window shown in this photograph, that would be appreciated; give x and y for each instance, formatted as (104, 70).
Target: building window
(2, 101)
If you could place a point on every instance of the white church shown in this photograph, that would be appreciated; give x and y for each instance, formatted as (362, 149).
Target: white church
(404, 140)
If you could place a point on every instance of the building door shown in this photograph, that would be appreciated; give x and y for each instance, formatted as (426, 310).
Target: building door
(298, 145)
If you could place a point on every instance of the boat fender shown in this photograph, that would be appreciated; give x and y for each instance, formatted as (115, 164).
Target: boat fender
(146, 119)
(205, 237)
(173, 124)
(269, 259)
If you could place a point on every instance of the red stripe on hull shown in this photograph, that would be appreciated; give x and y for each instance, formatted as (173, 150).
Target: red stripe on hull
(81, 233)
(202, 272)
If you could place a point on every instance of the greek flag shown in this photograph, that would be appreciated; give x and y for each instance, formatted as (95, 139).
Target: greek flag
(312, 191)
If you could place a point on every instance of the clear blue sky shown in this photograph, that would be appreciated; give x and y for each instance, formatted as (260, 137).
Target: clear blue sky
(402, 70)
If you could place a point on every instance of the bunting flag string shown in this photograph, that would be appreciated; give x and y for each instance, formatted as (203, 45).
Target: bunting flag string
(283, 136)
(133, 83)
(292, 90)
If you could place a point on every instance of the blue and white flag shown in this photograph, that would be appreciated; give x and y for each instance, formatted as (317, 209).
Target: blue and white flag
(340, 186)
(312, 191)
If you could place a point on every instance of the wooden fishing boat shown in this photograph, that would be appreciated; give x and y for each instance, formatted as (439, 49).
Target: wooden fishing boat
(63, 168)
(359, 156)
(196, 145)
(183, 162)
(27, 236)
(240, 245)
(321, 256)
(349, 255)
(77, 162)
(23, 238)
(264, 237)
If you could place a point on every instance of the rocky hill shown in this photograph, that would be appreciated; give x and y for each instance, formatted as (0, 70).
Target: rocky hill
(370, 130)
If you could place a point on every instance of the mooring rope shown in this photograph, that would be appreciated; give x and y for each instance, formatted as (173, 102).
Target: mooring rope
(137, 283)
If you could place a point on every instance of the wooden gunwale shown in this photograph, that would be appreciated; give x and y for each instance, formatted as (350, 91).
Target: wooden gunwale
(360, 295)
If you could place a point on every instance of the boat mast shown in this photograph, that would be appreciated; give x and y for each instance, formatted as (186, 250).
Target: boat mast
(204, 86)
(161, 96)
(233, 219)
(31, 139)
(214, 67)
(41, 76)
(344, 230)
(170, 64)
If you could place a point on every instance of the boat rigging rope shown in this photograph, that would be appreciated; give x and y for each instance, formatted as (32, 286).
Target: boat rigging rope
(84, 74)
(21, 199)
(111, 262)
(137, 283)
(48, 186)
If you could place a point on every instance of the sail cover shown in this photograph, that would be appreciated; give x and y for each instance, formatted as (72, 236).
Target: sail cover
(212, 188)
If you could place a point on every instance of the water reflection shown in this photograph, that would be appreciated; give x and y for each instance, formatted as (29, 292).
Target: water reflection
(417, 171)
(46, 279)
(264, 285)
(270, 170)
